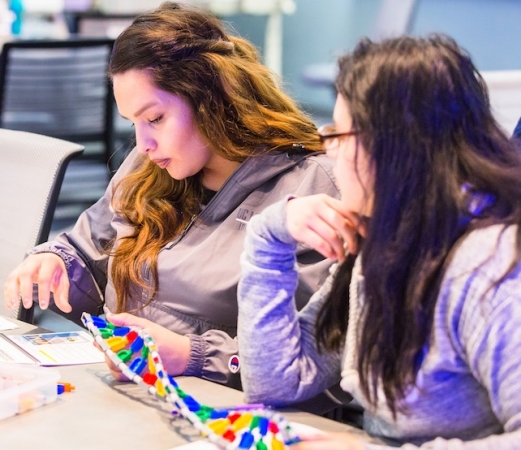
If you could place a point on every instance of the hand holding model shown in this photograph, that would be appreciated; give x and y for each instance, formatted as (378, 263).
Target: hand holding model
(174, 347)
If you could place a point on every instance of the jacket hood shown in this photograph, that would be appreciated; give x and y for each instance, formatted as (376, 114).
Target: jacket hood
(255, 171)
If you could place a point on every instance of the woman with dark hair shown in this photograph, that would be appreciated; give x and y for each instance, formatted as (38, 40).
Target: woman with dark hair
(421, 320)
(216, 142)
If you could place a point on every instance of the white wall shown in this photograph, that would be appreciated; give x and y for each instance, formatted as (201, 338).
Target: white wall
(319, 31)
(505, 96)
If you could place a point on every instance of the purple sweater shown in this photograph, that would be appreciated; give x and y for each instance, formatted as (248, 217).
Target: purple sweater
(468, 393)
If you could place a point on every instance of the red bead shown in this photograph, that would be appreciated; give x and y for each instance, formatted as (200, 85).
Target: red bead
(150, 378)
(229, 435)
(131, 336)
(273, 427)
(233, 417)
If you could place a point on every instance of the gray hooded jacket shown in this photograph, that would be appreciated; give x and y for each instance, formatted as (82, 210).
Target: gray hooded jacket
(198, 271)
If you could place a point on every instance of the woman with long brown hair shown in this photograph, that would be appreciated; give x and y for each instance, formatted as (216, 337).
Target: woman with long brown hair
(216, 142)
(421, 320)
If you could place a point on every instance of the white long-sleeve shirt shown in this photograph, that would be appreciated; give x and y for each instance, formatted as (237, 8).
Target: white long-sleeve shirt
(468, 388)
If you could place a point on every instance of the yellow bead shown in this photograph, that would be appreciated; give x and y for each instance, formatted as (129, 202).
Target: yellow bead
(219, 425)
(151, 364)
(117, 343)
(160, 388)
(276, 444)
(242, 422)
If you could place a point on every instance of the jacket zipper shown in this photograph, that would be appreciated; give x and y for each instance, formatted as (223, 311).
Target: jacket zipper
(183, 233)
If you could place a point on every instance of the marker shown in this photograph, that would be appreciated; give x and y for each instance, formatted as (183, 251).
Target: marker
(247, 407)
(63, 386)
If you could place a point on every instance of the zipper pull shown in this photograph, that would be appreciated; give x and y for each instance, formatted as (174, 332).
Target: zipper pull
(192, 220)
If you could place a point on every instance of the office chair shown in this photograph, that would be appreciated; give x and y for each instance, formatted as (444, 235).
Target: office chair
(60, 88)
(99, 24)
(32, 167)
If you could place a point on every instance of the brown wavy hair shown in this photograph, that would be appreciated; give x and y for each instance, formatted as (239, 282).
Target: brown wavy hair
(238, 108)
(424, 117)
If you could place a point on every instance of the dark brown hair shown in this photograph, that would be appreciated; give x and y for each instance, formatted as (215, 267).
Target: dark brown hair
(425, 121)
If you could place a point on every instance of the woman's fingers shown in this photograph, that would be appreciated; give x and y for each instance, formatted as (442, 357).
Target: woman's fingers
(44, 279)
(324, 239)
(127, 320)
(115, 371)
(175, 348)
(26, 278)
(52, 277)
(60, 289)
(322, 222)
(48, 272)
(11, 292)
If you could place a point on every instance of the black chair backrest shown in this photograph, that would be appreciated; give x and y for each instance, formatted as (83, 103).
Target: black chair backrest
(59, 88)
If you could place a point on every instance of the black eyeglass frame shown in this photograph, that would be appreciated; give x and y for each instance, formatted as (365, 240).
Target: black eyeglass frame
(325, 136)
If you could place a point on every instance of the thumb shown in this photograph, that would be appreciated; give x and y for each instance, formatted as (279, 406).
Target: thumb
(61, 294)
(126, 320)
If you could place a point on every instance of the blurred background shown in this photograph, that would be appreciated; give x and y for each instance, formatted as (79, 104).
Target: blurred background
(300, 40)
(316, 32)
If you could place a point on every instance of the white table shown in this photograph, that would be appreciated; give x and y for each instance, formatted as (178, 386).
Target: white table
(105, 414)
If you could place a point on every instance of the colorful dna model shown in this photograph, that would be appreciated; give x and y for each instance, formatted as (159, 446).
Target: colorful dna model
(134, 352)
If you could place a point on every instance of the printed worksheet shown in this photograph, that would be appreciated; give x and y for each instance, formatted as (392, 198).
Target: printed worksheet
(55, 349)
(10, 353)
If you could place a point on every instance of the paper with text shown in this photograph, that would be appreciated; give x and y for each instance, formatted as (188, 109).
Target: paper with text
(59, 349)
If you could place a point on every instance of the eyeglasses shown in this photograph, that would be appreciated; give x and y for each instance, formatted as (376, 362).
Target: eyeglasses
(330, 138)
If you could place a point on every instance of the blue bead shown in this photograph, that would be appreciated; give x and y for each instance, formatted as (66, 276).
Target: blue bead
(137, 345)
(138, 365)
(246, 440)
(174, 383)
(98, 322)
(221, 414)
(121, 331)
(192, 404)
(263, 426)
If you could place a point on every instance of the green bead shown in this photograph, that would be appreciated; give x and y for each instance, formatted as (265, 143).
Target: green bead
(254, 422)
(125, 355)
(261, 446)
(180, 392)
(203, 415)
(106, 333)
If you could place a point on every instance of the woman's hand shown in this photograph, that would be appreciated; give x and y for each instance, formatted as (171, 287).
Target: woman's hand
(48, 271)
(323, 223)
(330, 441)
(173, 348)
